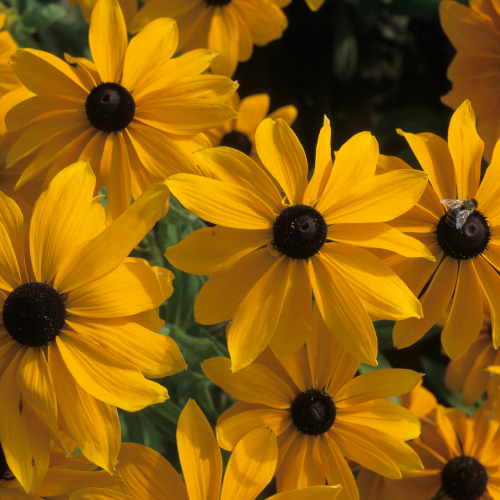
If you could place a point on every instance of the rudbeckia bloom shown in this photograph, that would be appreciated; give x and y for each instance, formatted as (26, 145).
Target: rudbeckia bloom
(228, 27)
(465, 273)
(239, 133)
(475, 33)
(271, 248)
(136, 115)
(147, 475)
(320, 413)
(78, 320)
(460, 456)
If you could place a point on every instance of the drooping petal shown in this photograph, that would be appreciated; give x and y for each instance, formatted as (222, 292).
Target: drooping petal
(105, 376)
(466, 149)
(94, 425)
(284, 157)
(108, 39)
(251, 465)
(199, 454)
(146, 474)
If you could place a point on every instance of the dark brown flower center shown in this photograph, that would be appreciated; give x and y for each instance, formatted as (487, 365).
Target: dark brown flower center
(237, 140)
(464, 478)
(313, 412)
(299, 232)
(110, 107)
(470, 241)
(217, 2)
(34, 314)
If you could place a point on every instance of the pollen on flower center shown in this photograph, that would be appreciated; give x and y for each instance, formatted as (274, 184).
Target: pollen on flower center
(464, 478)
(110, 107)
(313, 412)
(237, 140)
(470, 241)
(299, 232)
(34, 314)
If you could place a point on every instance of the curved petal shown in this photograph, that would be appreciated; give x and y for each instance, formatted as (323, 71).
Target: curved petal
(69, 196)
(10, 273)
(254, 383)
(199, 454)
(99, 494)
(311, 493)
(212, 250)
(223, 39)
(146, 474)
(251, 111)
(108, 39)
(462, 329)
(251, 465)
(94, 425)
(284, 157)
(466, 149)
(155, 43)
(106, 377)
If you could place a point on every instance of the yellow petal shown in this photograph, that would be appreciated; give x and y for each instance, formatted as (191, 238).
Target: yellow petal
(377, 384)
(223, 39)
(311, 493)
(199, 454)
(354, 162)
(10, 274)
(146, 474)
(69, 195)
(251, 111)
(88, 262)
(284, 157)
(342, 311)
(105, 376)
(487, 193)
(108, 39)
(251, 465)
(254, 383)
(155, 43)
(94, 425)
(25, 439)
(99, 494)
(286, 113)
(466, 149)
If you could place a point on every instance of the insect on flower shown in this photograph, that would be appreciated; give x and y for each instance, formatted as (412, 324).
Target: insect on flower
(459, 210)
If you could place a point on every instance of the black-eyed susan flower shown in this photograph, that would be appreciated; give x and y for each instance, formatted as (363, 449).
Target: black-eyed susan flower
(78, 320)
(228, 27)
(136, 115)
(475, 34)
(147, 475)
(465, 274)
(321, 414)
(239, 133)
(460, 456)
(271, 248)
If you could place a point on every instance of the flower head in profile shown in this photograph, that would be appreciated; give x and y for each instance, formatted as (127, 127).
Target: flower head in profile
(321, 414)
(465, 273)
(460, 456)
(135, 115)
(475, 34)
(77, 336)
(146, 474)
(228, 27)
(239, 133)
(273, 247)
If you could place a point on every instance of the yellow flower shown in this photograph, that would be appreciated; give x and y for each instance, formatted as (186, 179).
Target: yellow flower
(460, 456)
(8, 79)
(475, 33)
(135, 116)
(320, 413)
(467, 258)
(78, 320)
(239, 133)
(147, 475)
(228, 27)
(272, 249)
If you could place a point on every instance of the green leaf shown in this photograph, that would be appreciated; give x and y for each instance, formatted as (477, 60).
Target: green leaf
(41, 17)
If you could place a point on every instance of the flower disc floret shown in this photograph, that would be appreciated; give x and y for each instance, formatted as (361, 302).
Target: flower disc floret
(34, 314)
(237, 140)
(468, 242)
(110, 107)
(313, 412)
(299, 232)
(464, 478)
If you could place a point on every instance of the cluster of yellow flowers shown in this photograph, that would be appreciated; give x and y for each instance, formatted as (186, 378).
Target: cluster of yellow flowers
(299, 269)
